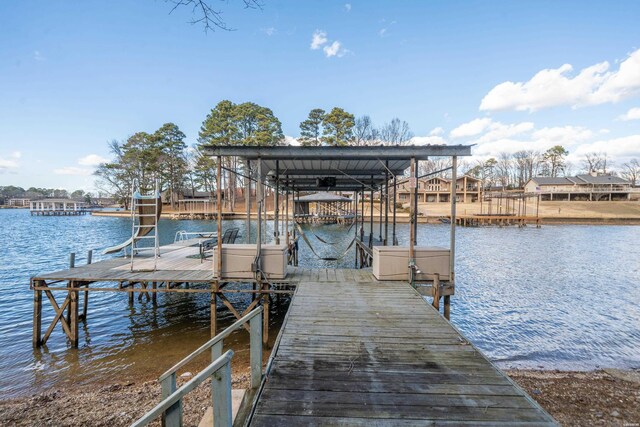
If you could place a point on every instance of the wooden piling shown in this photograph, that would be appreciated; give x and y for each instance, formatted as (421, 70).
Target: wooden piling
(37, 317)
(435, 290)
(73, 310)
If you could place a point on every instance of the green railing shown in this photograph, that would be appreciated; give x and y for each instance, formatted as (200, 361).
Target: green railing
(170, 408)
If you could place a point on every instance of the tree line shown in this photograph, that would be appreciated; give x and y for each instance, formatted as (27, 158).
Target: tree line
(12, 192)
(164, 155)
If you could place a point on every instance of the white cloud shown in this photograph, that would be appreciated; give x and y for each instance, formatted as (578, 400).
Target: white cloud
(73, 170)
(11, 162)
(347, 7)
(318, 38)
(474, 127)
(290, 140)
(619, 149)
(269, 31)
(593, 85)
(632, 114)
(436, 131)
(334, 49)
(563, 135)
(427, 140)
(92, 160)
(6, 164)
(383, 32)
(38, 56)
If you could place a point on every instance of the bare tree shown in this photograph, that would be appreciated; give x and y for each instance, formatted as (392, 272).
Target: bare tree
(435, 166)
(203, 13)
(527, 165)
(364, 132)
(396, 132)
(596, 162)
(504, 168)
(631, 171)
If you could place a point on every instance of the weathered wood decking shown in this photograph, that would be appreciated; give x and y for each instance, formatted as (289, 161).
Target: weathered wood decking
(359, 352)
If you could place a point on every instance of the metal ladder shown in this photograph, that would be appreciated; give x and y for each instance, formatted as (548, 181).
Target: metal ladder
(138, 200)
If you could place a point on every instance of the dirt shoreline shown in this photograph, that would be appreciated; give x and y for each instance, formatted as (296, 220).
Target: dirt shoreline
(608, 397)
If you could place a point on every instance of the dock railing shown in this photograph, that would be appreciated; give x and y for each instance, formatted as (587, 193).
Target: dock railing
(220, 372)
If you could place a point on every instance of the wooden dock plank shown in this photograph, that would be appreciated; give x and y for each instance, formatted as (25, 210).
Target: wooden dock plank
(370, 353)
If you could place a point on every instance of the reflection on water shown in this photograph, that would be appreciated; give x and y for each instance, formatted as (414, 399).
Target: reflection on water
(557, 297)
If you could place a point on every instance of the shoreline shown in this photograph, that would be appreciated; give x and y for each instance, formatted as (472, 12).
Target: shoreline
(573, 398)
(404, 219)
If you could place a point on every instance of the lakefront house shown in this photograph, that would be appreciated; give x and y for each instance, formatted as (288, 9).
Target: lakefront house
(592, 187)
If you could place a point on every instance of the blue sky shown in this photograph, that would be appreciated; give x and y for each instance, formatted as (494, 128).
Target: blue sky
(75, 75)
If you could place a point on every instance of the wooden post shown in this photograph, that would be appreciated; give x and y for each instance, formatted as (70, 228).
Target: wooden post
(447, 306)
(435, 291)
(214, 308)
(221, 396)
(37, 316)
(73, 310)
(255, 350)
(72, 264)
(154, 294)
(85, 305)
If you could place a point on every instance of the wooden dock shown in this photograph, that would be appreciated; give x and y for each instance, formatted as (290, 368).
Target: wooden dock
(355, 351)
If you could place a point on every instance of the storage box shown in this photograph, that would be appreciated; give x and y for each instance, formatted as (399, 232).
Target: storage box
(392, 262)
(237, 260)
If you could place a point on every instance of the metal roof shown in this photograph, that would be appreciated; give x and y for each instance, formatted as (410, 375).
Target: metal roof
(353, 168)
(548, 180)
(579, 180)
(601, 179)
(322, 197)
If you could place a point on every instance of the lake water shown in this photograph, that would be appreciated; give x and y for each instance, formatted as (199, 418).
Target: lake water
(562, 296)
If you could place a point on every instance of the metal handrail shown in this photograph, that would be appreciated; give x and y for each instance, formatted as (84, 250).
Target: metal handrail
(172, 414)
(220, 373)
(184, 235)
(213, 341)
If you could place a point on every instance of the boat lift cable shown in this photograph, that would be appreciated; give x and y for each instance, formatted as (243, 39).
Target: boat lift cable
(335, 258)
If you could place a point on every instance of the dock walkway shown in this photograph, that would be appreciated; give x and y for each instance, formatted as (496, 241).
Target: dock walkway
(359, 352)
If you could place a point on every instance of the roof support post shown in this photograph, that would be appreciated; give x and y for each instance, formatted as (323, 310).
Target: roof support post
(395, 195)
(362, 215)
(247, 202)
(259, 201)
(452, 244)
(415, 204)
(355, 219)
(412, 229)
(386, 203)
(286, 217)
(276, 208)
(371, 217)
(219, 218)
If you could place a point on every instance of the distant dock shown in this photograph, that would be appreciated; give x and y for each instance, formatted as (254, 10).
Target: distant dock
(58, 207)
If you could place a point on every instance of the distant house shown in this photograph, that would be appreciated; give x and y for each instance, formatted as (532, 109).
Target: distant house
(436, 189)
(18, 203)
(580, 187)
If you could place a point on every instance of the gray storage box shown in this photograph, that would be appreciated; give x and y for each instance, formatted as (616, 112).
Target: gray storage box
(237, 260)
(392, 262)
